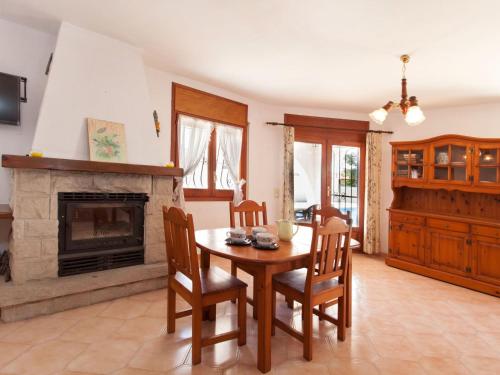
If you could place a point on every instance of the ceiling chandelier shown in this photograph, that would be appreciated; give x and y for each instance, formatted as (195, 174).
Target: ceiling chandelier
(408, 106)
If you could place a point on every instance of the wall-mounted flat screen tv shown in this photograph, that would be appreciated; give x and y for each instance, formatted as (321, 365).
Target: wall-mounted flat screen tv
(10, 99)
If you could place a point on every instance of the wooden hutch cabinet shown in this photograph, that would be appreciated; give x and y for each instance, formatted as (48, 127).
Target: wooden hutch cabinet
(445, 216)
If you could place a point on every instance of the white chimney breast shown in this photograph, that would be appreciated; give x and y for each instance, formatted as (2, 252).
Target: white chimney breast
(95, 76)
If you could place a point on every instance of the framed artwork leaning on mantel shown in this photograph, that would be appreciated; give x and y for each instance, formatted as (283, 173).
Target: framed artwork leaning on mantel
(106, 141)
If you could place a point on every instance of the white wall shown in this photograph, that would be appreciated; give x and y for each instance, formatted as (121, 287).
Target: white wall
(99, 77)
(265, 160)
(25, 52)
(95, 76)
(477, 121)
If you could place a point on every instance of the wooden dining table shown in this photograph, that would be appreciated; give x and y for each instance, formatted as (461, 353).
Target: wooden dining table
(264, 264)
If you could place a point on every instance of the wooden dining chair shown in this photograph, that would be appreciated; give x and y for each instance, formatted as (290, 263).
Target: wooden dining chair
(247, 213)
(322, 281)
(326, 213)
(200, 288)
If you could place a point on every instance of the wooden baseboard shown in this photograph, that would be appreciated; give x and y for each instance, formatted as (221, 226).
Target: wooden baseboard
(444, 276)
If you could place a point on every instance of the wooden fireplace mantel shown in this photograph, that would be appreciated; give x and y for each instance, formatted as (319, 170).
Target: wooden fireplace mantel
(27, 162)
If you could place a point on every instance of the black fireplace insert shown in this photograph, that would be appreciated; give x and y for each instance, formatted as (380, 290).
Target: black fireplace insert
(100, 231)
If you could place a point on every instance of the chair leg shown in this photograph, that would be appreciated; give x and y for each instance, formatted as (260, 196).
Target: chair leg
(307, 330)
(273, 327)
(196, 335)
(341, 328)
(255, 298)
(212, 313)
(242, 317)
(170, 310)
(289, 302)
(322, 308)
(234, 272)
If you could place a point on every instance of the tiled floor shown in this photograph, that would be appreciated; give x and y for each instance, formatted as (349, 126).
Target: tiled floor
(402, 324)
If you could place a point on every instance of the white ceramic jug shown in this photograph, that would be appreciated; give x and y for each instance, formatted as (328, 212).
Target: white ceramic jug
(285, 230)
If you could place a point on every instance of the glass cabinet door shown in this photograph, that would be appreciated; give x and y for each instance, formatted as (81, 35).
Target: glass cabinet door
(409, 164)
(450, 163)
(487, 165)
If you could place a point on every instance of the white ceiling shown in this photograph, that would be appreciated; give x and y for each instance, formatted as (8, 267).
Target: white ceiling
(316, 53)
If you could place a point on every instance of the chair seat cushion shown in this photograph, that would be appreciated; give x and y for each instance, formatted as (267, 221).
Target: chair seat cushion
(213, 280)
(296, 279)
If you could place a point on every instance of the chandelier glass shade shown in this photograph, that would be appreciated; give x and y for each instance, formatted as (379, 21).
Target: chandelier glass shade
(409, 106)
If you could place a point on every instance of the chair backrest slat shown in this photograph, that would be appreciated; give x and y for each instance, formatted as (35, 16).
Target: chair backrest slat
(181, 245)
(330, 259)
(326, 213)
(248, 213)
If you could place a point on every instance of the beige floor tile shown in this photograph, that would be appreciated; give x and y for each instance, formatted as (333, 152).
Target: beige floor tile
(125, 308)
(67, 372)
(453, 323)
(352, 366)
(454, 332)
(491, 338)
(134, 371)
(83, 312)
(242, 369)
(200, 369)
(301, 368)
(9, 351)
(473, 345)
(92, 330)
(45, 358)
(355, 347)
(6, 328)
(433, 345)
(222, 355)
(38, 330)
(440, 366)
(105, 357)
(390, 366)
(157, 309)
(142, 328)
(161, 354)
(153, 296)
(394, 347)
(481, 365)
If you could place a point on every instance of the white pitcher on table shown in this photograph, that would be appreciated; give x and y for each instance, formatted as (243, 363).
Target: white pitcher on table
(285, 229)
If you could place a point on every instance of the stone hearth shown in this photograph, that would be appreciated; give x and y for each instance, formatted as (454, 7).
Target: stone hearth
(36, 288)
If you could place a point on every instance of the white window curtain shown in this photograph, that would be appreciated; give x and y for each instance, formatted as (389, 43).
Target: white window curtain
(231, 138)
(193, 138)
(372, 200)
(288, 174)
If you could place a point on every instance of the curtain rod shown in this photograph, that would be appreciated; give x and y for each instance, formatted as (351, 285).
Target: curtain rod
(346, 129)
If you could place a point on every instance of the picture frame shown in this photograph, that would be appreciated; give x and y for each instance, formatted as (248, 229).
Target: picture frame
(107, 141)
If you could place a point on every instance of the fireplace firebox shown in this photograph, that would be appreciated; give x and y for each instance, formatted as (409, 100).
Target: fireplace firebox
(100, 231)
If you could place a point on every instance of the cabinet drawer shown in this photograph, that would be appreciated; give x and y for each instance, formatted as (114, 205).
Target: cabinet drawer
(407, 219)
(448, 225)
(486, 231)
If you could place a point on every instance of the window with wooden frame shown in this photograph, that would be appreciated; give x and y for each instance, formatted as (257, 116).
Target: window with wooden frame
(211, 178)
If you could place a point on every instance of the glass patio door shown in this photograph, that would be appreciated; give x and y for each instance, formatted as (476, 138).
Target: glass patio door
(329, 172)
(345, 180)
(308, 170)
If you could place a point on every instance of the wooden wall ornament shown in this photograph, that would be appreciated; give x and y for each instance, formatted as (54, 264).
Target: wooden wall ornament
(157, 123)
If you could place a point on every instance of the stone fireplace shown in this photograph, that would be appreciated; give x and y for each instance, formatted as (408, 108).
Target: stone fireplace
(103, 200)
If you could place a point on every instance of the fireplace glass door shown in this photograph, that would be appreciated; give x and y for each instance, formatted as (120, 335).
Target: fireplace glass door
(90, 221)
(96, 226)
(100, 231)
